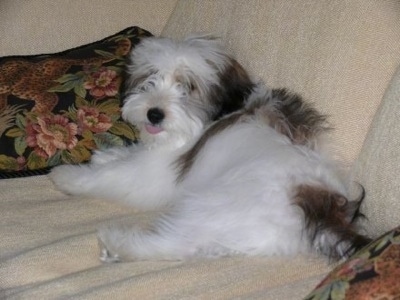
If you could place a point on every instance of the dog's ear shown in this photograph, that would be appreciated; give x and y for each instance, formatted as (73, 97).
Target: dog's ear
(234, 85)
(234, 88)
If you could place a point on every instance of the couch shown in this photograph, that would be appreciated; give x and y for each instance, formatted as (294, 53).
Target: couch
(341, 55)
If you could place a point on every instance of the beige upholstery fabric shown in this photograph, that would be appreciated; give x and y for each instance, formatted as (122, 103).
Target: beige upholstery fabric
(49, 250)
(338, 54)
(378, 164)
(45, 26)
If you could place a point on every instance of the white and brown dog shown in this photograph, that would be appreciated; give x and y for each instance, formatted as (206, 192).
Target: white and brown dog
(236, 167)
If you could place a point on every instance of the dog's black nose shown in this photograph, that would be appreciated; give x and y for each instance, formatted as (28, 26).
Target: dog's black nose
(155, 115)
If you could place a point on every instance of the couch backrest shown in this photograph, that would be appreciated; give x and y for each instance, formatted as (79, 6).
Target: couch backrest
(46, 26)
(378, 165)
(339, 54)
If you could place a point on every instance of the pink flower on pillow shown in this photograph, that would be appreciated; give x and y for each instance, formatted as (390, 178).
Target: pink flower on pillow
(102, 83)
(90, 118)
(51, 133)
(21, 162)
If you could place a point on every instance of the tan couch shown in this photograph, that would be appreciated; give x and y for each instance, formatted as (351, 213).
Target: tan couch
(340, 54)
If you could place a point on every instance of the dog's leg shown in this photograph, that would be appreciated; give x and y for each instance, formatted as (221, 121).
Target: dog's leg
(145, 182)
(113, 154)
(134, 243)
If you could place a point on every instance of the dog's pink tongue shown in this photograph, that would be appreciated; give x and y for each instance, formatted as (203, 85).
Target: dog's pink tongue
(153, 129)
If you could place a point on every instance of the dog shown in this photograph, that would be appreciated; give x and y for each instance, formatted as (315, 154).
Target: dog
(234, 167)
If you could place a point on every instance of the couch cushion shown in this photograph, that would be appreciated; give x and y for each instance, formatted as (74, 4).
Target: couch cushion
(339, 54)
(58, 108)
(49, 250)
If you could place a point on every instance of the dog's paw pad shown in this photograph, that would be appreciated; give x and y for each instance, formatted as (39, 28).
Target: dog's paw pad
(107, 256)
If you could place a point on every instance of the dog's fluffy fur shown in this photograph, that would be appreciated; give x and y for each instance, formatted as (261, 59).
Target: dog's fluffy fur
(236, 167)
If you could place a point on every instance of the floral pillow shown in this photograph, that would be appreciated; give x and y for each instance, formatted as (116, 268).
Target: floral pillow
(58, 108)
(372, 273)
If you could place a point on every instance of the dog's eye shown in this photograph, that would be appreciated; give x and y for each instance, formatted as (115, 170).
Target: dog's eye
(192, 86)
(189, 87)
(146, 86)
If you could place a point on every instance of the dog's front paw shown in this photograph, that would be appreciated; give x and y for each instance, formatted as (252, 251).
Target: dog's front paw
(67, 178)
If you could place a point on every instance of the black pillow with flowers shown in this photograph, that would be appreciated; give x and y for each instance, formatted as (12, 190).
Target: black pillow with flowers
(371, 273)
(58, 108)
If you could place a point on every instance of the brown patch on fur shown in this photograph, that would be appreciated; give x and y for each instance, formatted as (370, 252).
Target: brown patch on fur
(233, 89)
(297, 119)
(186, 161)
(331, 214)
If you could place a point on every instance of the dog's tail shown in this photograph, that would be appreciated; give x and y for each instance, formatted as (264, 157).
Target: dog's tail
(330, 220)
(289, 114)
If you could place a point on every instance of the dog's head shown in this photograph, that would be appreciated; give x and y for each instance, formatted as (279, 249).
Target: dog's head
(175, 88)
